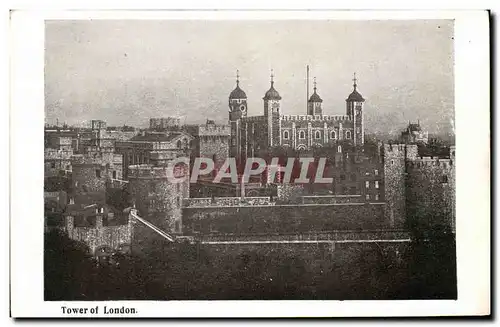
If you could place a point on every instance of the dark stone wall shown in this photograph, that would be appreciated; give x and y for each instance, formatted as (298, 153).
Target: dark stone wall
(284, 219)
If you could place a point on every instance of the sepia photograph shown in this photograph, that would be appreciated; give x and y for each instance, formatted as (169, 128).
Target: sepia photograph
(248, 159)
(194, 160)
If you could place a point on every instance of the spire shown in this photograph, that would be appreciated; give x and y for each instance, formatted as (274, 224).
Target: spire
(355, 80)
(272, 77)
(314, 83)
(237, 77)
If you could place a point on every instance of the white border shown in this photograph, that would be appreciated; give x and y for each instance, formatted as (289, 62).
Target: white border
(473, 213)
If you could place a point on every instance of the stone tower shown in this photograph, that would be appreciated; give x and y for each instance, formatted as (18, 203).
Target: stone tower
(354, 109)
(237, 110)
(314, 103)
(272, 107)
(395, 157)
(156, 197)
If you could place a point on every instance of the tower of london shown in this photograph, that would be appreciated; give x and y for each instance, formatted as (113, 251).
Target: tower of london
(315, 128)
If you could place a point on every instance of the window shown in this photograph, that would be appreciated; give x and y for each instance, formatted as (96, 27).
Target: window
(444, 179)
(302, 135)
(98, 173)
(376, 197)
(114, 174)
(376, 172)
(333, 135)
(53, 165)
(358, 130)
(392, 162)
(354, 190)
(353, 177)
(348, 135)
(286, 135)
(367, 184)
(317, 135)
(342, 177)
(368, 196)
(339, 149)
(233, 141)
(376, 184)
(179, 144)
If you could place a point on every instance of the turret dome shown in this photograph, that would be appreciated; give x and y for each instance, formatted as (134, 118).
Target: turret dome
(355, 96)
(315, 96)
(237, 93)
(272, 94)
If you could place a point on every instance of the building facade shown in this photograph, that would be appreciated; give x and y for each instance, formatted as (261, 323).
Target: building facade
(252, 134)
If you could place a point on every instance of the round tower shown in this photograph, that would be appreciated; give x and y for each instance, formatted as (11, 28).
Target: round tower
(354, 109)
(156, 197)
(314, 103)
(237, 101)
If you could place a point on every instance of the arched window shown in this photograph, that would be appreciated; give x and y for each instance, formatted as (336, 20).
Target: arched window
(285, 135)
(317, 135)
(339, 149)
(333, 135)
(302, 135)
(348, 135)
(179, 144)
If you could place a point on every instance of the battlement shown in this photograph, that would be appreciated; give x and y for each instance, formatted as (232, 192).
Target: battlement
(96, 158)
(423, 162)
(214, 130)
(315, 117)
(226, 201)
(406, 151)
(395, 148)
(149, 171)
(57, 154)
(255, 118)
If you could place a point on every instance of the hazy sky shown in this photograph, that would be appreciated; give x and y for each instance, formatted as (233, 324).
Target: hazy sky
(125, 72)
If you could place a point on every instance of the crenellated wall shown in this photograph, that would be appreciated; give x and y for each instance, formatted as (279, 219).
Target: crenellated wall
(99, 236)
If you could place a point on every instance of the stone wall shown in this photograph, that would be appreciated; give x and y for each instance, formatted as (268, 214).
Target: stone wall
(284, 218)
(430, 191)
(290, 192)
(227, 201)
(100, 236)
(331, 199)
(395, 156)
